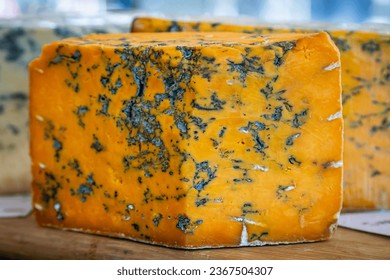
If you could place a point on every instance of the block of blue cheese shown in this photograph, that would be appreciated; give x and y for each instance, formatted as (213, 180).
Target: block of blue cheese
(21, 41)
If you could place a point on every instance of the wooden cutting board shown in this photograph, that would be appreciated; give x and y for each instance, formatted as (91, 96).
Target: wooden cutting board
(23, 239)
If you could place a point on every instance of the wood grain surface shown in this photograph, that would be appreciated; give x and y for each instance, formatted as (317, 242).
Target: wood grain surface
(23, 239)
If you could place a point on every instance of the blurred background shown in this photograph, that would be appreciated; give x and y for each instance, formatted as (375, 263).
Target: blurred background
(346, 11)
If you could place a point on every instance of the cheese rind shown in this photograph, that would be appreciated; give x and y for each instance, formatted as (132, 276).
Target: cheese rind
(189, 140)
(365, 60)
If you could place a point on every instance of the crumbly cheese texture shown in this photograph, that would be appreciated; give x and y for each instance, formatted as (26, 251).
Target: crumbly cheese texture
(365, 60)
(189, 140)
(19, 44)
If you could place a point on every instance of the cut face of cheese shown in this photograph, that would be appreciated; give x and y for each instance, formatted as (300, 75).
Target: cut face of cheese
(365, 60)
(189, 140)
(20, 42)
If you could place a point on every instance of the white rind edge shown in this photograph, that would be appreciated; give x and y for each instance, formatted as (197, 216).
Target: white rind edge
(332, 66)
(39, 118)
(40, 71)
(38, 207)
(336, 115)
(288, 188)
(260, 167)
(335, 164)
(244, 236)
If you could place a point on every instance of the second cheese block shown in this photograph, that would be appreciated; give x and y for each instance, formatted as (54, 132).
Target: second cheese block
(365, 60)
(189, 140)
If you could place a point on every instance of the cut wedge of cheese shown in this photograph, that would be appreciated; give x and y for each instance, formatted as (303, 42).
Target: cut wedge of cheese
(189, 140)
(365, 60)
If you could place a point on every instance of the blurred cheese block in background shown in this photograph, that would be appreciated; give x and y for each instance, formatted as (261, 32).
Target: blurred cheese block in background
(21, 41)
(189, 140)
(365, 60)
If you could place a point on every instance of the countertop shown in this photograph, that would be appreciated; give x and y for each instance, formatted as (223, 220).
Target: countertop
(22, 238)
